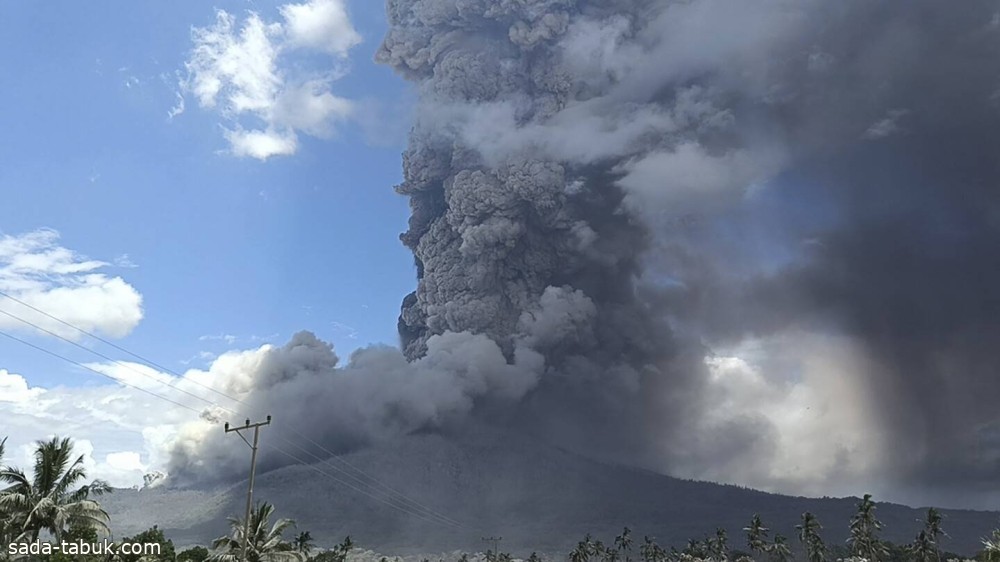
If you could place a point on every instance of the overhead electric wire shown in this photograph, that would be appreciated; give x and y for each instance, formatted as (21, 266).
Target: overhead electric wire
(360, 491)
(422, 511)
(105, 357)
(78, 364)
(149, 362)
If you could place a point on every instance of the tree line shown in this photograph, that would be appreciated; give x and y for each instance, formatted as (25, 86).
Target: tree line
(54, 502)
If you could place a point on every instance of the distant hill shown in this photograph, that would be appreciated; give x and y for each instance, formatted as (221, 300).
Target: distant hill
(537, 497)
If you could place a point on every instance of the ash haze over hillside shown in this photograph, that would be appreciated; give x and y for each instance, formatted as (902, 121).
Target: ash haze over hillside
(753, 242)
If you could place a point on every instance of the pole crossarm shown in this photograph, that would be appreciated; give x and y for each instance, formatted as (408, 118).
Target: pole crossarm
(496, 551)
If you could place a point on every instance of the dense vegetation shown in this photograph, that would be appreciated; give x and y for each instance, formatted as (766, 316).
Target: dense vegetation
(53, 503)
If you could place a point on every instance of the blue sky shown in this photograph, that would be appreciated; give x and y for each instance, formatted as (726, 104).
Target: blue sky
(216, 244)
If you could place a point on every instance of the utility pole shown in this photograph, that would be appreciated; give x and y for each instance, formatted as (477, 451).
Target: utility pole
(495, 541)
(253, 469)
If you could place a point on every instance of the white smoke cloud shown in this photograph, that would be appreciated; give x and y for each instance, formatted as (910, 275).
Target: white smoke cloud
(794, 413)
(242, 70)
(376, 395)
(157, 421)
(690, 179)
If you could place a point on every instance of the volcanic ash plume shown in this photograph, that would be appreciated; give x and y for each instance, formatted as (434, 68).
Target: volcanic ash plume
(750, 241)
(794, 176)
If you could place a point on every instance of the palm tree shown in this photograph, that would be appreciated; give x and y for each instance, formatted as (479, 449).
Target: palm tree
(650, 551)
(580, 553)
(780, 552)
(991, 547)
(923, 548)
(5, 537)
(864, 541)
(623, 544)
(756, 535)
(932, 526)
(718, 548)
(265, 544)
(809, 535)
(304, 542)
(48, 501)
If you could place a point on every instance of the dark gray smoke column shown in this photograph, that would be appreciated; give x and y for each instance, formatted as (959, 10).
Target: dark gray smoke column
(558, 142)
(489, 239)
(511, 240)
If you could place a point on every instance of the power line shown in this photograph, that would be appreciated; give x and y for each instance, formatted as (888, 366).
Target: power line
(149, 362)
(105, 357)
(405, 501)
(81, 365)
(360, 491)
(374, 482)
(439, 520)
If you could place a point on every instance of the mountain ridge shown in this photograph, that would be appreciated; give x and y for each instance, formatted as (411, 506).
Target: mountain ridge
(538, 497)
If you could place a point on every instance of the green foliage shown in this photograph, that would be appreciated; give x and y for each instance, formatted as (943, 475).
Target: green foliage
(193, 554)
(80, 534)
(865, 528)
(991, 548)
(779, 550)
(718, 548)
(150, 536)
(739, 555)
(810, 539)
(651, 552)
(925, 546)
(52, 498)
(264, 543)
(337, 553)
(623, 545)
(756, 535)
(304, 542)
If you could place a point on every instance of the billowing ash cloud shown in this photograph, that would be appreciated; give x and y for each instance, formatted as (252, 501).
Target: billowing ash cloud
(319, 406)
(751, 241)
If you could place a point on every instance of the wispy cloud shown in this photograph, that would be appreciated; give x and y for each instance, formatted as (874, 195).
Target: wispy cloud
(889, 125)
(125, 262)
(228, 338)
(247, 72)
(344, 330)
(178, 107)
(201, 356)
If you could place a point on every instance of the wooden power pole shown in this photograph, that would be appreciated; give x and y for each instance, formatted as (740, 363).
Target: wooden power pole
(495, 541)
(253, 470)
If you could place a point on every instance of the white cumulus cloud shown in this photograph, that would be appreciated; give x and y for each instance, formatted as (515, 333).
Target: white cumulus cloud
(248, 73)
(14, 388)
(37, 270)
(321, 24)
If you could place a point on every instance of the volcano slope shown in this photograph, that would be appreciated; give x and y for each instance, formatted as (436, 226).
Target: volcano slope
(537, 497)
